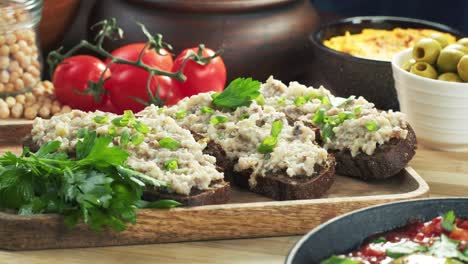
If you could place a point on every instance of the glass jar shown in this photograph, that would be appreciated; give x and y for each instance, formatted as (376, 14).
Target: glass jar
(20, 58)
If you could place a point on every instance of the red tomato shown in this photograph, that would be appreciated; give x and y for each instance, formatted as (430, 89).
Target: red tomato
(151, 58)
(109, 107)
(72, 75)
(459, 234)
(129, 82)
(200, 78)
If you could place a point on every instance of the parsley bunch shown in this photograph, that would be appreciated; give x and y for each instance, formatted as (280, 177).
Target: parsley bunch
(95, 187)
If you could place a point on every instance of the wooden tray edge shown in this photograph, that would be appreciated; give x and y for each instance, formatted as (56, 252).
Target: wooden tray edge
(229, 221)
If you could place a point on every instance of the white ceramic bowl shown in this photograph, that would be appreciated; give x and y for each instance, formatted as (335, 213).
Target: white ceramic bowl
(437, 110)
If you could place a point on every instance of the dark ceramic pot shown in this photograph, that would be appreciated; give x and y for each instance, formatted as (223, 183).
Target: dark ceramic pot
(345, 233)
(347, 75)
(259, 38)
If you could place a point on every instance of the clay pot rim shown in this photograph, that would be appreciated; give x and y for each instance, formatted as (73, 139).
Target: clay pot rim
(214, 5)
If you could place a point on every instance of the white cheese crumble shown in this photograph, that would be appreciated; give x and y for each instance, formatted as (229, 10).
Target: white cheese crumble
(351, 134)
(296, 153)
(195, 170)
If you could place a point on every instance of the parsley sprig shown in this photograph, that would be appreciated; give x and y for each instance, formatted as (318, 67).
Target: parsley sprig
(240, 92)
(95, 187)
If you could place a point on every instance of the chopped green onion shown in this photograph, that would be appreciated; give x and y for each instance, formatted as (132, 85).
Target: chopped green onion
(327, 132)
(218, 120)
(276, 128)
(345, 116)
(169, 143)
(214, 95)
(260, 100)
(112, 131)
(181, 114)
(300, 101)
(357, 110)
(82, 132)
(324, 99)
(124, 138)
(101, 119)
(120, 121)
(267, 145)
(310, 96)
(372, 126)
(128, 114)
(137, 139)
(206, 110)
(244, 116)
(332, 120)
(161, 110)
(319, 116)
(140, 127)
(171, 164)
(281, 101)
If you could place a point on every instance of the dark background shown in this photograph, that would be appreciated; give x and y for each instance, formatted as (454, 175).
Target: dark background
(450, 12)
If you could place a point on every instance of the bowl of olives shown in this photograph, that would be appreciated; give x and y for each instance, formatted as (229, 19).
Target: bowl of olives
(431, 81)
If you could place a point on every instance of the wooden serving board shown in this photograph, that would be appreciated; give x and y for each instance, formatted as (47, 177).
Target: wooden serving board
(14, 130)
(247, 215)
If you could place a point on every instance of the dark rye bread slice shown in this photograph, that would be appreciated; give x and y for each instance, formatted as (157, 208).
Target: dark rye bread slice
(276, 186)
(218, 193)
(387, 160)
(281, 187)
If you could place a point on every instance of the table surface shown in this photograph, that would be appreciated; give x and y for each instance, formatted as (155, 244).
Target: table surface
(446, 174)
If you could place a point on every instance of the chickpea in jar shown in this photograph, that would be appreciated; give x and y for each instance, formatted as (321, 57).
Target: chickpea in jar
(20, 68)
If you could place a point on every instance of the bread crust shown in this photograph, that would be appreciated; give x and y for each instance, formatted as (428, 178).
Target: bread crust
(387, 160)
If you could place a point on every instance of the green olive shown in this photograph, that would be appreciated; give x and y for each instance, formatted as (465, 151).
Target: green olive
(424, 69)
(448, 60)
(407, 65)
(439, 38)
(449, 77)
(426, 50)
(459, 47)
(462, 68)
(463, 41)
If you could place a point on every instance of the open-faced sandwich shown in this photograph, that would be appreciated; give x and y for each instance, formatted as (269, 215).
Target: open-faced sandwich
(156, 145)
(366, 142)
(261, 150)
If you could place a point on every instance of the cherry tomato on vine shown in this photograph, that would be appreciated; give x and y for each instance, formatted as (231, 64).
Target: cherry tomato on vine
(128, 88)
(150, 57)
(71, 79)
(128, 85)
(200, 78)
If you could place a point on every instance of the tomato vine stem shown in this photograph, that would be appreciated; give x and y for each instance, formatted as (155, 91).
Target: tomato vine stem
(108, 29)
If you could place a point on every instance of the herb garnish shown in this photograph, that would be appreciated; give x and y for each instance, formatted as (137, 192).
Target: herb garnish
(169, 143)
(206, 109)
(240, 92)
(101, 119)
(339, 260)
(269, 143)
(96, 187)
(448, 221)
(372, 126)
(218, 120)
(171, 164)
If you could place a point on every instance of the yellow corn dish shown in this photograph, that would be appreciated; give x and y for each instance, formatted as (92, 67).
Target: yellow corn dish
(380, 44)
